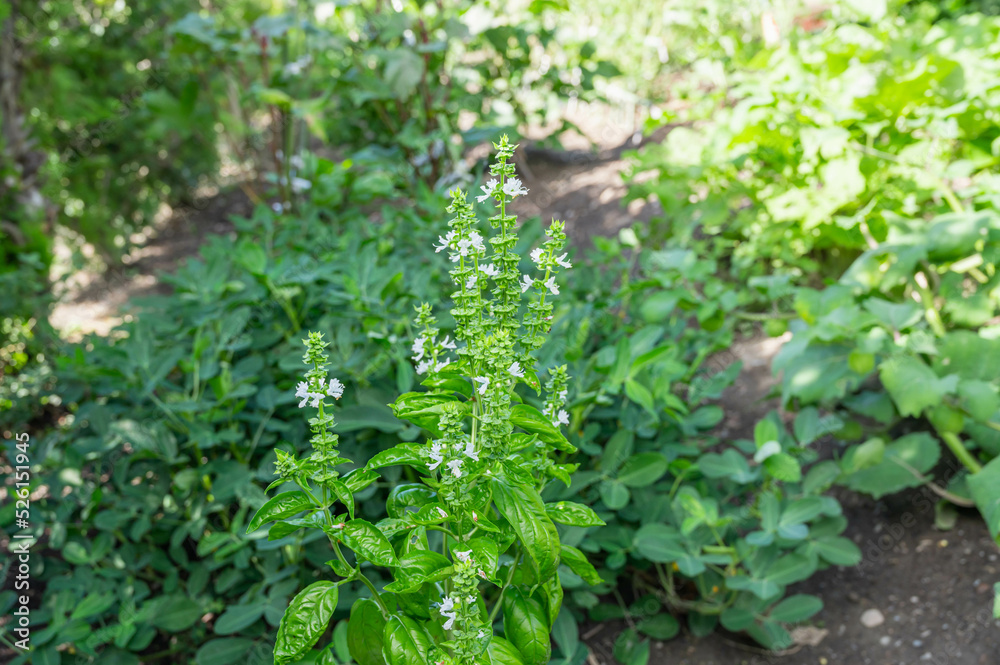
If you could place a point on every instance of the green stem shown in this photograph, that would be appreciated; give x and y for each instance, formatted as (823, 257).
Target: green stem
(930, 311)
(958, 448)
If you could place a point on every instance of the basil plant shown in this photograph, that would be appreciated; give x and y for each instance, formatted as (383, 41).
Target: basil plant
(471, 547)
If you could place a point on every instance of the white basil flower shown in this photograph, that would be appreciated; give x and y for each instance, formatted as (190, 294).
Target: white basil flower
(456, 467)
(463, 556)
(477, 242)
(335, 389)
(484, 383)
(418, 348)
(302, 392)
(515, 370)
(562, 418)
(526, 284)
(471, 282)
(550, 284)
(563, 262)
(513, 188)
(445, 241)
(489, 189)
(423, 366)
(536, 256)
(490, 270)
(447, 610)
(436, 454)
(470, 450)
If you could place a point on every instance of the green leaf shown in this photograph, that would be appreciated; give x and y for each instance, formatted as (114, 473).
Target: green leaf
(502, 652)
(524, 510)
(368, 542)
(305, 621)
(809, 425)
(176, 613)
(736, 619)
(93, 604)
(572, 514)
(405, 642)
(238, 617)
(223, 651)
(658, 306)
(526, 627)
(643, 469)
(618, 449)
(424, 409)
(796, 608)
(863, 456)
(403, 71)
(576, 561)
(985, 489)
(417, 568)
(801, 511)
(533, 421)
(913, 385)
(979, 398)
(365, 630)
(614, 494)
(485, 554)
(838, 550)
(919, 451)
(403, 453)
(284, 505)
(660, 627)
(790, 568)
(641, 395)
(765, 431)
(784, 467)
(659, 543)
(566, 633)
(730, 464)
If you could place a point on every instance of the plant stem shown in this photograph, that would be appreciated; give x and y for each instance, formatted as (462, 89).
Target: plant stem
(956, 446)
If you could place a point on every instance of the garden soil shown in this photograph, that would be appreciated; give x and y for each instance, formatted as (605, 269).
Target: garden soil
(925, 594)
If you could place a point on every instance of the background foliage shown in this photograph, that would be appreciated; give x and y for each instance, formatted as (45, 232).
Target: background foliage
(838, 183)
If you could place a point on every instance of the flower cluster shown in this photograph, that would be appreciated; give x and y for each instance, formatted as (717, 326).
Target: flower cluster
(556, 393)
(313, 392)
(460, 609)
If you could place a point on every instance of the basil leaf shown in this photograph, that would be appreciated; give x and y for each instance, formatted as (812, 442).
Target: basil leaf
(305, 621)
(573, 514)
(368, 542)
(405, 642)
(284, 505)
(575, 560)
(525, 512)
(365, 630)
(526, 626)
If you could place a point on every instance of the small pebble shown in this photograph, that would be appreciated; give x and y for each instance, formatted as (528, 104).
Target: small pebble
(914, 600)
(918, 643)
(872, 618)
(885, 640)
